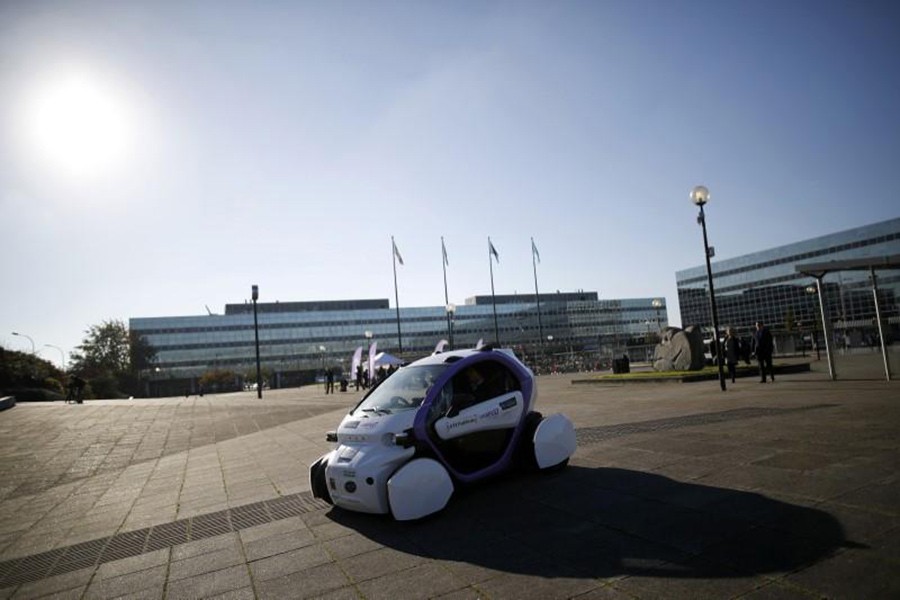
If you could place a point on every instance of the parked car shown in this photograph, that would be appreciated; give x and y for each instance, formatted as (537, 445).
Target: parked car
(444, 421)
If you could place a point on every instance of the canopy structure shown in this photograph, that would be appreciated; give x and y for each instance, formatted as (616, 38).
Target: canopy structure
(871, 264)
(383, 359)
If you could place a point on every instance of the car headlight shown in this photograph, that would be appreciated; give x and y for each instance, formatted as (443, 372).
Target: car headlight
(404, 439)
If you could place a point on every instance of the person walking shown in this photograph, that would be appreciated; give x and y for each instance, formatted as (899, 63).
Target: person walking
(732, 352)
(329, 381)
(765, 346)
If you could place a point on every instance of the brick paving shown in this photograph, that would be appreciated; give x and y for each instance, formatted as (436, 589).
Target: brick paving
(788, 490)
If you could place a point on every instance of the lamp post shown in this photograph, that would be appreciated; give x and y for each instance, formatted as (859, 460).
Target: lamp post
(649, 340)
(657, 304)
(256, 334)
(812, 290)
(700, 196)
(451, 310)
(322, 350)
(369, 366)
(62, 355)
(26, 337)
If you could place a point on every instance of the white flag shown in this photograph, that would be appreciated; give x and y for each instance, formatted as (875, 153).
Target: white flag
(372, 350)
(354, 364)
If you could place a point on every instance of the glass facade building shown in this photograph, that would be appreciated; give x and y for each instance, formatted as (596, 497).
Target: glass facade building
(298, 339)
(765, 286)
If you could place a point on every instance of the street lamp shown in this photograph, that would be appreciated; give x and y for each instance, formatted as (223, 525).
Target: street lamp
(451, 309)
(62, 355)
(812, 290)
(657, 304)
(256, 334)
(700, 196)
(322, 352)
(26, 337)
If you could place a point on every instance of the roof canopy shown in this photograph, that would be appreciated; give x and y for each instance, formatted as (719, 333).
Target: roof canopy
(852, 264)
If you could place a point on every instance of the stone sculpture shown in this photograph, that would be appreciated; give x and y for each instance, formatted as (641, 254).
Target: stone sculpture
(680, 350)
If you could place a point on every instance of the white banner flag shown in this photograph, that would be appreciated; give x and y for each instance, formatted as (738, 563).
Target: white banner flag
(354, 364)
(372, 350)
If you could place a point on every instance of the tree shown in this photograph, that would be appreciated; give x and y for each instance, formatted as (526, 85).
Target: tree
(141, 354)
(105, 349)
(29, 377)
(111, 358)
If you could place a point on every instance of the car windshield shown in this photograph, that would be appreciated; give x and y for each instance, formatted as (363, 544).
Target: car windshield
(403, 390)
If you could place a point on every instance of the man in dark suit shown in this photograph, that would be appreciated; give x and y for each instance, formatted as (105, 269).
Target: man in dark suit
(765, 346)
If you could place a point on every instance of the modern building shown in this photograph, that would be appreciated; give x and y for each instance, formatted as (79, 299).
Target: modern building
(767, 286)
(299, 339)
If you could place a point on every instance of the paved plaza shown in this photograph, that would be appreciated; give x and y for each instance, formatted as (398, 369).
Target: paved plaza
(784, 490)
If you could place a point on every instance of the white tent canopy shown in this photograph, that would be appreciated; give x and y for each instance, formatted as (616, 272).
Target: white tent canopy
(383, 359)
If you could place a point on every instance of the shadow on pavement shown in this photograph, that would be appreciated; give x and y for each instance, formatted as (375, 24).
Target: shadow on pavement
(608, 522)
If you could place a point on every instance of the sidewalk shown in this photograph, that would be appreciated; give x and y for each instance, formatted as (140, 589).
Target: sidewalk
(784, 490)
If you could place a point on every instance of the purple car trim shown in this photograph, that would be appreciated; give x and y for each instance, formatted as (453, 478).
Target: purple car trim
(421, 430)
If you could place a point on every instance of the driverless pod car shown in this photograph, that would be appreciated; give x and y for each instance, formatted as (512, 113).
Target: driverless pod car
(446, 420)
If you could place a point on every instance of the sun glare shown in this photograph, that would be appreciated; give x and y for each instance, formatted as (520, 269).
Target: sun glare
(78, 125)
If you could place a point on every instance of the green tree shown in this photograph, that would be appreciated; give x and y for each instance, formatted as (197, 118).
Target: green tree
(29, 377)
(219, 380)
(141, 354)
(112, 358)
(104, 350)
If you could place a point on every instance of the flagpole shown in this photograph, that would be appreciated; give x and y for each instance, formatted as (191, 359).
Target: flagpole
(396, 296)
(537, 296)
(446, 295)
(493, 297)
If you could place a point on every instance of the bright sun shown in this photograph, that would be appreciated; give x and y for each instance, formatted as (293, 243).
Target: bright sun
(78, 125)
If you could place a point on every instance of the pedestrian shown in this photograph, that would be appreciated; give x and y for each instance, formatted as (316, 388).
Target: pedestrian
(359, 376)
(329, 381)
(76, 390)
(732, 352)
(765, 346)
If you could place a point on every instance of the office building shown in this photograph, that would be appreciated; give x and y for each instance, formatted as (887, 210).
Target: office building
(766, 286)
(300, 339)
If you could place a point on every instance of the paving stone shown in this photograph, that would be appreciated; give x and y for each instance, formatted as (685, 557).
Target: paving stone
(246, 593)
(210, 584)
(278, 544)
(377, 563)
(289, 562)
(850, 574)
(275, 528)
(422, 581)
(206, 563)
(113, 587)
(350, 545)
(205, 546)
(311, 583)
(134, 564)
(73, 582)
(765, 500)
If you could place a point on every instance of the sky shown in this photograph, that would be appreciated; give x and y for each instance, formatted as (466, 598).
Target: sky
(157, 158)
